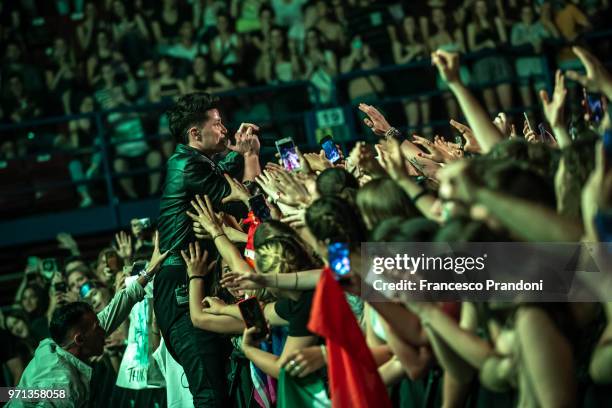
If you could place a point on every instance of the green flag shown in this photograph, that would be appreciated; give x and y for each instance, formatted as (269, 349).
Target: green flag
(301, 392)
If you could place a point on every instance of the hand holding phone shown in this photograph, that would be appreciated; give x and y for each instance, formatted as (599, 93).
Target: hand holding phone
(329, 147)
(288, 153)
(593, 106)
(260, 209)
(253, 317)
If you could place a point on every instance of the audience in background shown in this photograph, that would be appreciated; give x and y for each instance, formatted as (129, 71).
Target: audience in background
(159, 51)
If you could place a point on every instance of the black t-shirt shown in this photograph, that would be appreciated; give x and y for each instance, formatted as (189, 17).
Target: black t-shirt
(8, 351)
(297, 313)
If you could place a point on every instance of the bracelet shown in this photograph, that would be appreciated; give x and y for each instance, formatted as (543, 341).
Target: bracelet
(218, 235)
(392, 133)
(148, 276)
(419, 196)
(196, 277)
(324, 352)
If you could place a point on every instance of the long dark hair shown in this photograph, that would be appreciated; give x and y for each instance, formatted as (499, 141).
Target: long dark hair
(43, 300)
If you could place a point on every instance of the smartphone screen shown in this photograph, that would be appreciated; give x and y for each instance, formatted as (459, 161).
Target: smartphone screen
(85, 289)
(339, 262)
(288, 154)
(60, 287)
(330, 149)
(253, 316)
(259, 207)
(595, 107)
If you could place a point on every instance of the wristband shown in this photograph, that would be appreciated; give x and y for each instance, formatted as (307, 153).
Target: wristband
(392, 133)
(148, 276)
(218, 235)
(196, 277)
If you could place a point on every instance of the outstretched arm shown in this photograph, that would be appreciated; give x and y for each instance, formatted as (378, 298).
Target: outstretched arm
(485, 132)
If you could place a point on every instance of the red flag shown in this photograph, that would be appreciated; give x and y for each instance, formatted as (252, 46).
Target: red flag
(353, 376)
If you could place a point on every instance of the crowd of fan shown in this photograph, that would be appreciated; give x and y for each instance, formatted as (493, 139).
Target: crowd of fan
(72, 57)
(496, 185)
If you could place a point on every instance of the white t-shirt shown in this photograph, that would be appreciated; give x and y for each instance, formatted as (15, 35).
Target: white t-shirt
(138, 369)
(177, 387)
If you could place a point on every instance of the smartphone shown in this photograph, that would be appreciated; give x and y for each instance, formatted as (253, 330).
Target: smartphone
(85, 289)
(48, 268)
(60, 287)
(528, 122)
(594, 107)
(253, 316)
(357, 44)
(145, 223)
(331, 150)
(138, 267)
(260, 207)
(338, 254)
(288, 153)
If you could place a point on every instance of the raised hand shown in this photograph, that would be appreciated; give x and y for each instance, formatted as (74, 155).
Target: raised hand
(195, 260)
(157, 257)
(294, 193)
(205, 215)
(434, 153)
(317, 162)
(530, 135)
(597, 78)
(363, 157)
(450, 151)
(375, 120)
(66, 241)
(554, 109)
(471, 145)
(268, 184)
(124, 245)
(448, 65)
(246, 140)
(199, 231)
(296, 218)
(503, 124)
(238, 192)
(243, 281)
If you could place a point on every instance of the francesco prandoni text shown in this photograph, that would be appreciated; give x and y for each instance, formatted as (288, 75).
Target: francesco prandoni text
(489, 284)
